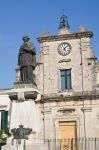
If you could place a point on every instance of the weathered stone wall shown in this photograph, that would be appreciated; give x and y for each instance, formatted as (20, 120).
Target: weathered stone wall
(84, 73)
(87, 113)
(81, 61)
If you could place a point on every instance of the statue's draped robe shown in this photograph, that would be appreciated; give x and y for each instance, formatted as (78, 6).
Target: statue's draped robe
(27, 61)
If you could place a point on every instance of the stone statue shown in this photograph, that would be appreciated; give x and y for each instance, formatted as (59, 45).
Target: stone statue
(27, 60)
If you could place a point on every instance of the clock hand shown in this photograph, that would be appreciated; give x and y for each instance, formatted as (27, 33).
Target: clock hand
(64, 49)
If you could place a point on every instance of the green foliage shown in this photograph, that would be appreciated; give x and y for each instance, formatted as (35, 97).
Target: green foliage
(4, 134)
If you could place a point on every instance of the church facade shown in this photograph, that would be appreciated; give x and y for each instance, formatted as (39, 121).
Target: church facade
(67, 76)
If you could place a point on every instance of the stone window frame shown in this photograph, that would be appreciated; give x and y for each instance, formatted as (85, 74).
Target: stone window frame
(59, 80)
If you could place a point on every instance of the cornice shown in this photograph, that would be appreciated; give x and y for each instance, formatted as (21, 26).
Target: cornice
(76, 35)
(69, 98)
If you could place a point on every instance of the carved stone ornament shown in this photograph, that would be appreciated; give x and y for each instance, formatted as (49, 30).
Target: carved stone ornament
(21, 133)
(21, 96)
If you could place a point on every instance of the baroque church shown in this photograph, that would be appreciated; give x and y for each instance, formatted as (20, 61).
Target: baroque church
(61, 104)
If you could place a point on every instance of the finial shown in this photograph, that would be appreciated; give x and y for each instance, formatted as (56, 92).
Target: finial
(64, 22)
(83, 29)
(63, 11)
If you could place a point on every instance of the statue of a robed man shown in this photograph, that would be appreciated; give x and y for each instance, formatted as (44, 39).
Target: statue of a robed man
(27, 60)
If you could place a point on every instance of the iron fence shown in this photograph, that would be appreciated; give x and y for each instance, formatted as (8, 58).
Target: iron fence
(73, 144)
(66, 144)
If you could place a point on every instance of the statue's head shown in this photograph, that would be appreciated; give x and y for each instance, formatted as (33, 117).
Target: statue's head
(26, 38)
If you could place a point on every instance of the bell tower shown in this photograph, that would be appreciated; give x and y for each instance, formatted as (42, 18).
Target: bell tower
(64, 22)
(64, 27)
(66, 57)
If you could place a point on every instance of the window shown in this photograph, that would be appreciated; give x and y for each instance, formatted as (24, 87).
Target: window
(4, 119)
(65, 79)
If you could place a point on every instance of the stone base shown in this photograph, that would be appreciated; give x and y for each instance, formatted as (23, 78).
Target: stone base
(27, 147)
(30, 144)
(25, 85)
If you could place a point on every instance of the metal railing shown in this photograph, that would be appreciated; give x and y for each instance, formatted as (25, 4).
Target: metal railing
(66, 144)
(73, 144)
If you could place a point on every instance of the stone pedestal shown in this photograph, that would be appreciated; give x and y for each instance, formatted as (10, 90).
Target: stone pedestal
(25, 145)
(28, 147)
(24, 112)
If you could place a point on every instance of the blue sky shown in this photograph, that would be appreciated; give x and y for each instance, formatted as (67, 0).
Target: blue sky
(33, 18)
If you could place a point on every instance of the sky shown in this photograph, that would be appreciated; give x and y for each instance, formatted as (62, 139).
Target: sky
(33, 18)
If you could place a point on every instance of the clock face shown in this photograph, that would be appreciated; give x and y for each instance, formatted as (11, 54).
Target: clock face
(64, 49)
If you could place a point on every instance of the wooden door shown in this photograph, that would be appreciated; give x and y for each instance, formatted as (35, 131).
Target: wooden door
(68, 135)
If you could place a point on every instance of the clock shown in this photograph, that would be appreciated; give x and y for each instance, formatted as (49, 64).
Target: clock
(64, 49)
